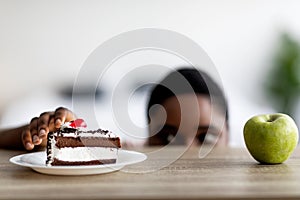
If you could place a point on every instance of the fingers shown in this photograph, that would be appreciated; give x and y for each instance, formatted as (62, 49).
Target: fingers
(33, 127)
(43, 124)
(62, 115)
(39, 127)
(27, 139)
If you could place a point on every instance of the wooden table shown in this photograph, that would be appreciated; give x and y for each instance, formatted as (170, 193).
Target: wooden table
(226, 173)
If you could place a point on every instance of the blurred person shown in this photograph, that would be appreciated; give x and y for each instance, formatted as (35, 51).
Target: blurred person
(180, 126)
(33, 136)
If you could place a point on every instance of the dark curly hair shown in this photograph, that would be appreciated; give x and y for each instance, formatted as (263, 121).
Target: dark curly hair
(184, 81)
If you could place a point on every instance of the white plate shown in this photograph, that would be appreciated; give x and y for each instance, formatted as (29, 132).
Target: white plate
(37, 160)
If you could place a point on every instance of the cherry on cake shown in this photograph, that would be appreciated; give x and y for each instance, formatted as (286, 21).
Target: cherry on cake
(72, 145)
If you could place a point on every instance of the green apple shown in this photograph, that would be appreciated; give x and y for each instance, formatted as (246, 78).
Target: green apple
(272, 138)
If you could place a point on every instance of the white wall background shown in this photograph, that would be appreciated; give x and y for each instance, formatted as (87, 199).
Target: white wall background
(43, 44)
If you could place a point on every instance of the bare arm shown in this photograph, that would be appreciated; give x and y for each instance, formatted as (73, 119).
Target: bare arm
(12, 138)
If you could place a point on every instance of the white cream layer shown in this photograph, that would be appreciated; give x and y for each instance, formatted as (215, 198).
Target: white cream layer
(84, 153)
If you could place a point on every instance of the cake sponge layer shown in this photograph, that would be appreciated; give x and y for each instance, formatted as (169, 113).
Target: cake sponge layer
(57, 162)
(62, 142)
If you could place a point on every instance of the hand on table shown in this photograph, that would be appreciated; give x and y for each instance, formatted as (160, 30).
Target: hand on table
(35, 134)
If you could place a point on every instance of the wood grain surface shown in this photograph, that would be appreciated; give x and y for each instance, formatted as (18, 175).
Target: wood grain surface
(226, 173)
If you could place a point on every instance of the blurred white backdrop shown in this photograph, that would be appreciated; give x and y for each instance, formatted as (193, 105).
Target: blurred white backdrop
(45, 43)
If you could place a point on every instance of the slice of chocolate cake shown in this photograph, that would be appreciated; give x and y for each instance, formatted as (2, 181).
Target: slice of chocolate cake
(72, 146)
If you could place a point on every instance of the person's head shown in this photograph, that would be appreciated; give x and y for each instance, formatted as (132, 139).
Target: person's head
(190, 98)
